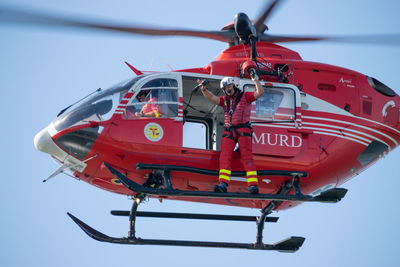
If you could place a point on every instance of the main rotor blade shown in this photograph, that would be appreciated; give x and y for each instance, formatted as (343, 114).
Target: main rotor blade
(259, 22)
(26, 17)
(376, 39)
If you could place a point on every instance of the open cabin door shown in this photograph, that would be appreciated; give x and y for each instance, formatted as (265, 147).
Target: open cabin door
(203, 121)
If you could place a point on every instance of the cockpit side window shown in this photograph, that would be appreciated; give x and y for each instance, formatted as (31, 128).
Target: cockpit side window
(275, 105)
(158, 98)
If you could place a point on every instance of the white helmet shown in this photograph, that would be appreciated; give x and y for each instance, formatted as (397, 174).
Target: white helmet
(229, 80)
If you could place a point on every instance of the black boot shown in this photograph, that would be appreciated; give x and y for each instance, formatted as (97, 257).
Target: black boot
(221, 188)
(253, 189)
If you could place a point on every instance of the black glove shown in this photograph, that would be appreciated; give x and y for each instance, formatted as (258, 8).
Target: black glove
(253, 74)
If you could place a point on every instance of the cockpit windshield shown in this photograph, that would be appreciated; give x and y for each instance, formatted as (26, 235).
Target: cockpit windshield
(98, 106)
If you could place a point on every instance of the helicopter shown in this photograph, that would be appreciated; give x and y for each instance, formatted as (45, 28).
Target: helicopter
(291, 135)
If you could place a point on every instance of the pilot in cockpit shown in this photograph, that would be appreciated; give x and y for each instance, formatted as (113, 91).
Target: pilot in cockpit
(149, 108)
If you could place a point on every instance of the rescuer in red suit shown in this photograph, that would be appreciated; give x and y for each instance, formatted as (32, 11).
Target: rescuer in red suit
(237, 109)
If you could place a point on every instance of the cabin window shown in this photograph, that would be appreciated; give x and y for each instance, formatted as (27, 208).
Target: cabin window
(277, 104)
(158, 98)
(195, 134)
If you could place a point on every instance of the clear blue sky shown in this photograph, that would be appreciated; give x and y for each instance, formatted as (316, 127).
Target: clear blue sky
(44, 70)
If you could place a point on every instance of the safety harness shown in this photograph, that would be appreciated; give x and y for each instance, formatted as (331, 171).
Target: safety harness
(233, 129)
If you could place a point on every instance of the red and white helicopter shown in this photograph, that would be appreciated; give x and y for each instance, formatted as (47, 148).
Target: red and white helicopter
(315, 127)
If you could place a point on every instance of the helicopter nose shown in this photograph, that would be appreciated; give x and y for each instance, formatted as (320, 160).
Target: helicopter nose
(44, 143)
(41, 140)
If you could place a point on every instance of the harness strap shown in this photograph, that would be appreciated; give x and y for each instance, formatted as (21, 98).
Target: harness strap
(243, 125)
(228, 105)
(230, 135)
(234, 129)
(245, 134)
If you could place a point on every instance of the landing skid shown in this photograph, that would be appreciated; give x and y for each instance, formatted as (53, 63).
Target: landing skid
(334, 195)
(290, 244)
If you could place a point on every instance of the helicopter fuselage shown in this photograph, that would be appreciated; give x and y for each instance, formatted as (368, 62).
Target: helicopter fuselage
(328, 121)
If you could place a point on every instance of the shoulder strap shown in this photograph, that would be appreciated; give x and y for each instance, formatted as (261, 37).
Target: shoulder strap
(230, 112)
(237, 101)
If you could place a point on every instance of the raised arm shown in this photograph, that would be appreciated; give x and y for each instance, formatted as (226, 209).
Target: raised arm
(259, 89)
(210, 96)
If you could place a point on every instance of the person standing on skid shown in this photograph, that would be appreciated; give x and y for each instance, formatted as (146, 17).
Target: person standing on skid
(237, 109)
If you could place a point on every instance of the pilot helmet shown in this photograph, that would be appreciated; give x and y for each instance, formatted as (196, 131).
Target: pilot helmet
(143, 92)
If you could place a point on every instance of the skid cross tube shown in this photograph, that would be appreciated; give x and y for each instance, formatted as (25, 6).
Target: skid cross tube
(286, 187)
(132, 217)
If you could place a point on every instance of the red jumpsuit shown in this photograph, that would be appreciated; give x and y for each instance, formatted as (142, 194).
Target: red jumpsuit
(237, 111)
(153, 108)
